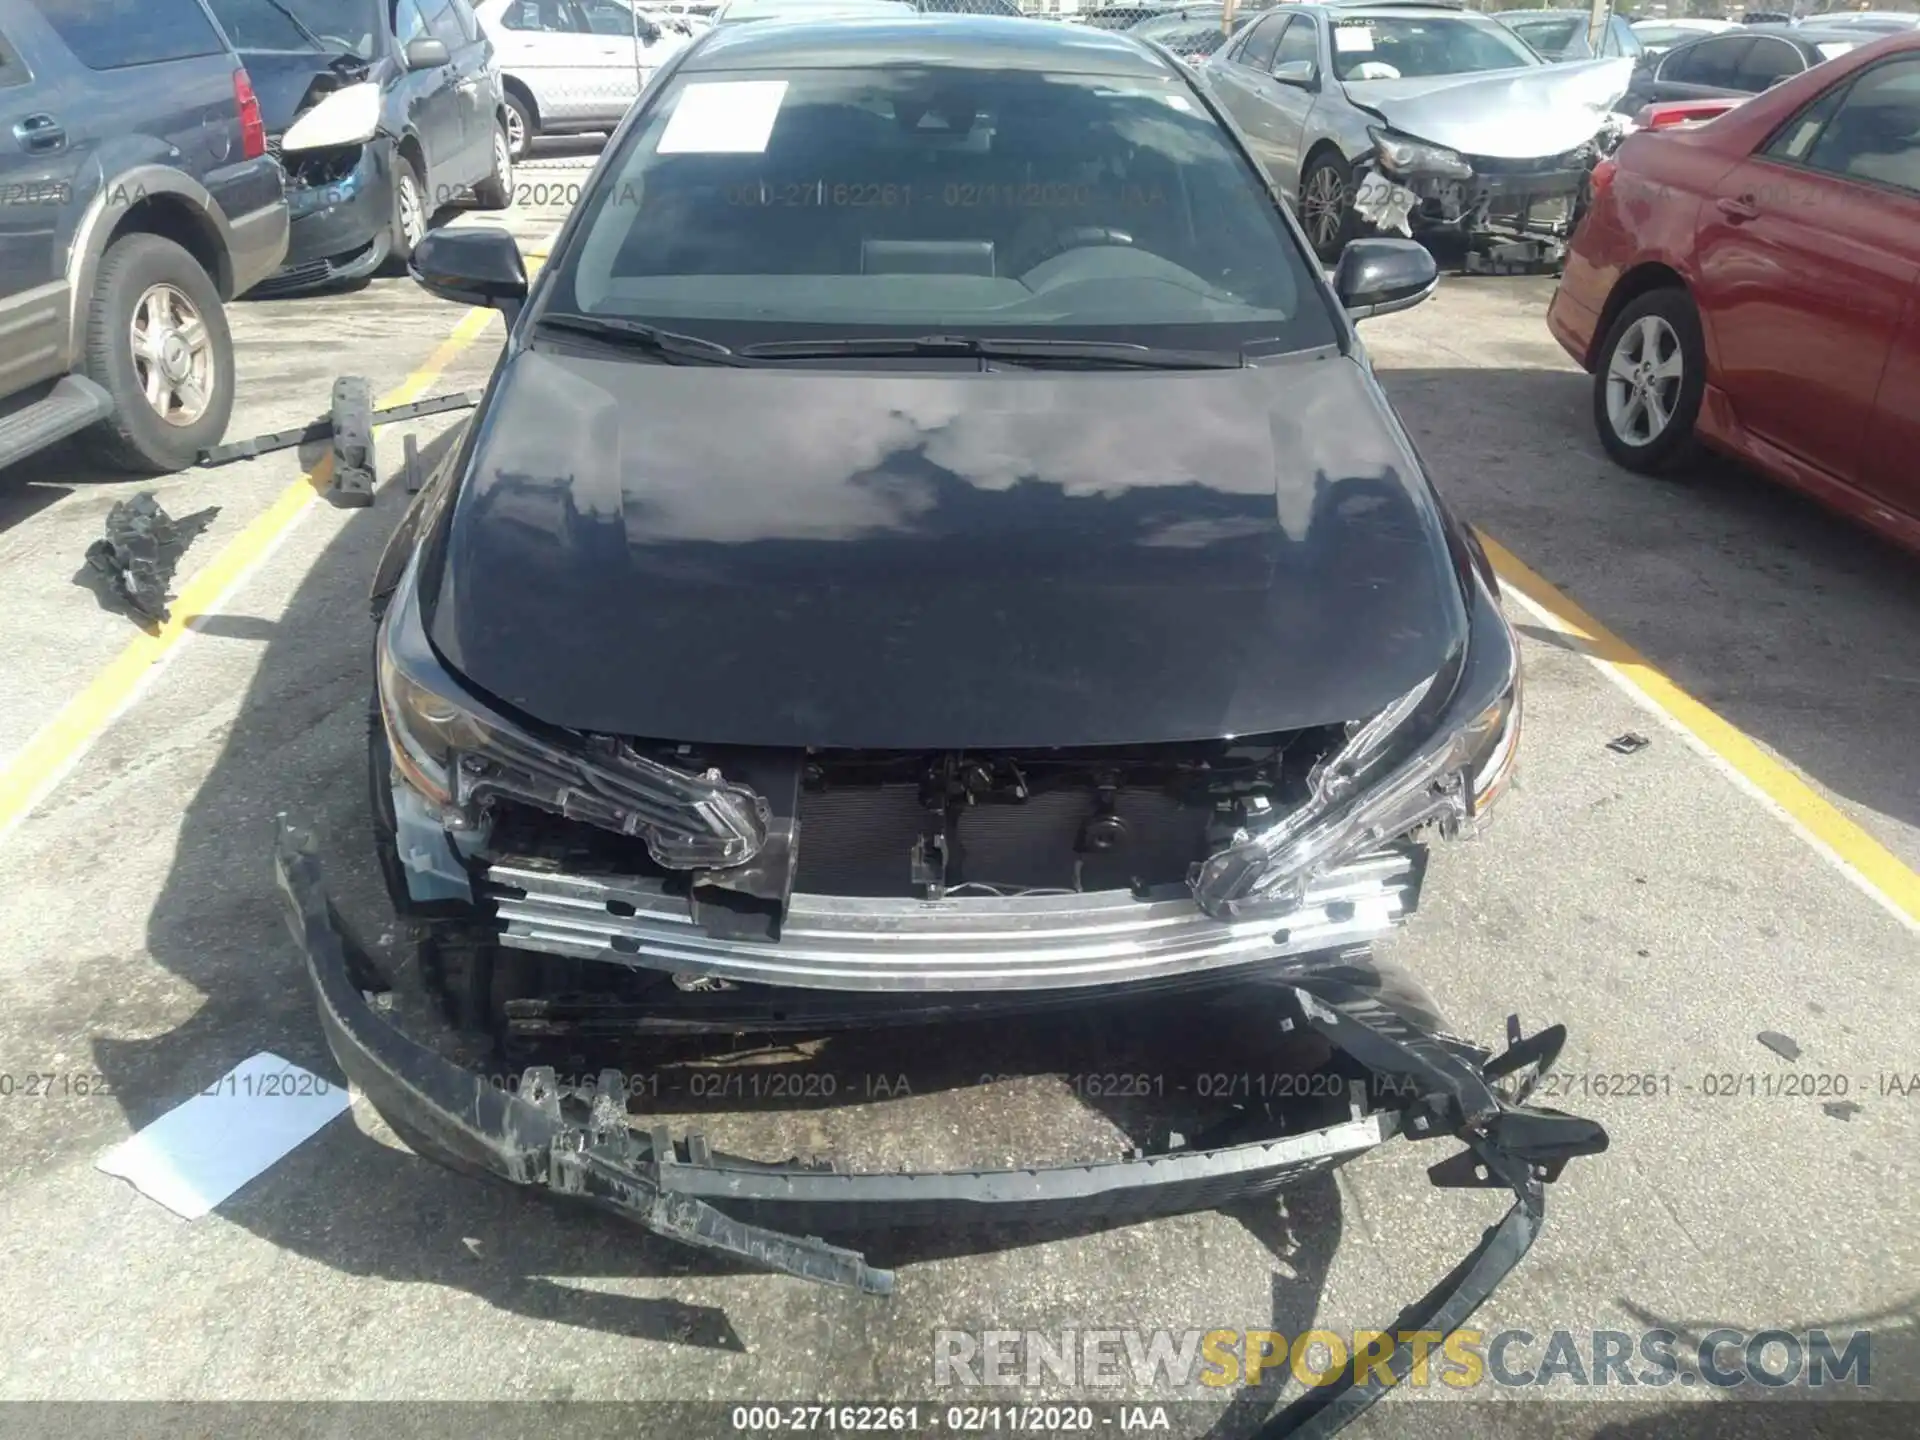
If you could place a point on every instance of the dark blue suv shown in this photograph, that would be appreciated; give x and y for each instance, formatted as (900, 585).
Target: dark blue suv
(136, 196)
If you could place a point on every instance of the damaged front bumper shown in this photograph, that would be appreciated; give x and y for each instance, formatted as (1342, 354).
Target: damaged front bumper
(1510, 209)
(580, 1143)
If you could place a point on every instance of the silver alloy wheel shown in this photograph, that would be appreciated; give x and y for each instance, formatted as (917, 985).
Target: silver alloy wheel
(1643, 381)
(503, 156)
(516, 132)
(1325, 204)
(173, 359)
(413, 211)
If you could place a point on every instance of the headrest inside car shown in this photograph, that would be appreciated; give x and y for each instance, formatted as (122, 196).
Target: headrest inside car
(926, 257)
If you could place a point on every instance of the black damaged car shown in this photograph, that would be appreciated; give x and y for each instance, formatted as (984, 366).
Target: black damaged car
(383, 113)
(933, 544)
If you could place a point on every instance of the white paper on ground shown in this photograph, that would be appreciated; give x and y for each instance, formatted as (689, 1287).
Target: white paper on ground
(200, 1152)
(723, 117)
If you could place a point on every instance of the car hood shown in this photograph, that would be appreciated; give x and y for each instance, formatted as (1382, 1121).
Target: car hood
(802, 557)
(287, 82)
(1518, 114)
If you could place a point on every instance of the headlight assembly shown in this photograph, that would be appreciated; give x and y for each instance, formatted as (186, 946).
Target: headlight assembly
(1377, 786)
(459, 754)
(1404, 155)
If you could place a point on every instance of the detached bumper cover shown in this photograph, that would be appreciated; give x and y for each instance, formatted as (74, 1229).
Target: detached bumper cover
(676, 1188)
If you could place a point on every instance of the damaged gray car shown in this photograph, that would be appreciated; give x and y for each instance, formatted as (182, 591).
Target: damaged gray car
(1420, 119)
(942, 553)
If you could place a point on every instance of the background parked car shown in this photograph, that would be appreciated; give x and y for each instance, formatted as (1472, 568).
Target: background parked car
(1562, 34)
(384, 112)
(1886, 21)
(1751, 283)
(1659, 36)
(139, 196)
(1741, 61)
(1447, 104)
(571, 66)
(735, 12)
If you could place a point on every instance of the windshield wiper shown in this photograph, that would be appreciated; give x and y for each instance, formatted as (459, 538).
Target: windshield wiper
(669, 345)
(300, 25)
(1100, 354)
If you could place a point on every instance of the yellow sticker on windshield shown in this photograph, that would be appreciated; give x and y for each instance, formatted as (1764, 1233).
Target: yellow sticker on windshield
(723, 117)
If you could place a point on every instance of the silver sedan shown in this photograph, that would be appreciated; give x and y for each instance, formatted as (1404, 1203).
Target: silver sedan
(1414, 117)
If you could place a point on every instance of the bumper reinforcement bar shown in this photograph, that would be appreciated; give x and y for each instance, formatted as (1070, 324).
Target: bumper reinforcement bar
(580, 1142)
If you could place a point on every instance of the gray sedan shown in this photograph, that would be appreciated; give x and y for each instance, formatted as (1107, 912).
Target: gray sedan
(1416, 118)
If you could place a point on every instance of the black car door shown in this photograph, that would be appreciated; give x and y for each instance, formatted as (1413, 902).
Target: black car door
(466, 76)
(433, 107)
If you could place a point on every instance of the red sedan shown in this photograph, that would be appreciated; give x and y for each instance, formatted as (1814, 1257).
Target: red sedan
(1753, 283)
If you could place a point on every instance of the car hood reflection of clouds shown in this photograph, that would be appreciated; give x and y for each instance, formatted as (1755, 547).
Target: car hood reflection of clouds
(699, 454)
(941, 558)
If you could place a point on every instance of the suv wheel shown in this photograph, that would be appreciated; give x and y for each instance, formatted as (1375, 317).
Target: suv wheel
(157, 341)
(1648, 384)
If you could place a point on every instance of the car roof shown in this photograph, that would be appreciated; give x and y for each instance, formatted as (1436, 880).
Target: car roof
(961, 41)
(1812, 34)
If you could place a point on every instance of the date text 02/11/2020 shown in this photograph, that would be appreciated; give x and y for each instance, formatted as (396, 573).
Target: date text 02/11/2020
(1044, 1419)
(1730, 1084)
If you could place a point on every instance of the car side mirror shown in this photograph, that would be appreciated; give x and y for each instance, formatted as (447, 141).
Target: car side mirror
(427, 53)
(1380, 276)
(1298, 72)
(477, 266)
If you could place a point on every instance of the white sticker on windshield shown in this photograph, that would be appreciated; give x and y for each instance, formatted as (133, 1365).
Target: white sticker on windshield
(1352, 39)
(723, 117)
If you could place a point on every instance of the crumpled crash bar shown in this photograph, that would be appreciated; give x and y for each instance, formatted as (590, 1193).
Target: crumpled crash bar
(677, 1188)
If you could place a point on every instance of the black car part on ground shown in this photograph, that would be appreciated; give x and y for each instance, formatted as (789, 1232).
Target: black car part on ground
(326, 427)
(681, 1189)
(140, 550)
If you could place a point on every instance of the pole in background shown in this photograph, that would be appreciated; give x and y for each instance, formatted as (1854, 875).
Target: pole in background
(1597, 19)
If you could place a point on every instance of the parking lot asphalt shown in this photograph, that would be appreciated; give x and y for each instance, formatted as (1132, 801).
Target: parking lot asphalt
(1651, 903)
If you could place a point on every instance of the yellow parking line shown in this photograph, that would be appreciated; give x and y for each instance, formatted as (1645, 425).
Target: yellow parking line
(1863, 859)
(30, 774)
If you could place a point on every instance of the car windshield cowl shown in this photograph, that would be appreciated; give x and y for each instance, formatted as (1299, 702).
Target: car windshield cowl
(1035, 350)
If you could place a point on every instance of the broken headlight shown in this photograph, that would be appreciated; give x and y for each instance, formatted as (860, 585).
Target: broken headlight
(1394, 773)
(1404, 155)
(460, 754)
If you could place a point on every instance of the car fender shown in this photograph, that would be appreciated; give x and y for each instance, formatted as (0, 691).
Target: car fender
(114, 193)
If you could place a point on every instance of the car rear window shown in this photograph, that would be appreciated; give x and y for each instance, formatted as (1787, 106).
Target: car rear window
(1555, 35)
(263, 25)
(952, 199)
(113, 34)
